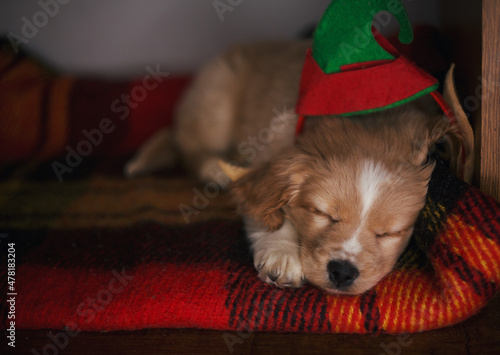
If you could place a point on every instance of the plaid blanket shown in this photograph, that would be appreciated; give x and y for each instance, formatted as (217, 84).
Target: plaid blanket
(82, 248)
(101, 252)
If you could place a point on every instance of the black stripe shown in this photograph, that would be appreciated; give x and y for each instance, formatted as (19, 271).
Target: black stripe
(243, 290)
(494, 215)
(293, 320)
(234, 294)
(305, 306)
(256, 309)
(253, 308)
(370, 312)
(281, 306)
(471, 213)
(286, 311)
(320, 300)
(481, 286)
(237, 284)
(467, 210)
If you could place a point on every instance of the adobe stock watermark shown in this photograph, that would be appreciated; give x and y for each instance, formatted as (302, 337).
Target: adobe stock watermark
(364, 36)
(88, 309)
(243, 333)
(248, 149)
(483, 91)
(396, 347)
(245, 329)
(32, 25)
(95, 136)
(223, 6)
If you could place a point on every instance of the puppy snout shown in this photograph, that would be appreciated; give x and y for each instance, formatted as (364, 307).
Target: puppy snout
(342, 273)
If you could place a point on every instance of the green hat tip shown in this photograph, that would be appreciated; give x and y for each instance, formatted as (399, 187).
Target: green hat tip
(344, 34)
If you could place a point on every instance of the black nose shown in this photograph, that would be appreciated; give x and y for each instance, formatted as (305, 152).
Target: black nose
(342, 272)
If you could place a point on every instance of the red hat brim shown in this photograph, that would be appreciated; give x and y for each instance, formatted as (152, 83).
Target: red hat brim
(361, 87)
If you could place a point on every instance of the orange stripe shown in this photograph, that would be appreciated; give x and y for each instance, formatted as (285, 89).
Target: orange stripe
(398, 295)
(393, 300)
(333, 304)
(384, 297)
(438, 308)
(57, 120)
(455, 279)
(341, 318)
(337, 313)
(458, 243)
(449, 312)
(416, 299)
(350, 321)
(458, 301)
(409, 296)
(488, 263)
(480, 252)
(358, 318)
(438, 304)
(465, 244)
(425, 310)
(430, 316)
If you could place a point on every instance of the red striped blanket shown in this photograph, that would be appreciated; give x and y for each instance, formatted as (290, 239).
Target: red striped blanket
(100, 252)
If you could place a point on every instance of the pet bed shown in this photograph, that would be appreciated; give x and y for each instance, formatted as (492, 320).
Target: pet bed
(96, 251)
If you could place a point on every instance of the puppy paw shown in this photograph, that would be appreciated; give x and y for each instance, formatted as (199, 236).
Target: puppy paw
(280, 267)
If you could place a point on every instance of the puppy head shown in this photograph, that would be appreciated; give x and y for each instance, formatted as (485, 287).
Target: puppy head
(353, 188)
(354, 225)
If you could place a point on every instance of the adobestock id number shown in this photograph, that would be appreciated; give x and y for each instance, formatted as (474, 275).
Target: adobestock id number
(11, 267)
(11, 294)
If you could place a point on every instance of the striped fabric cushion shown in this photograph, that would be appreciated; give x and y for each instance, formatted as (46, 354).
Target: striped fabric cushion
(99, 252)
(44, 115)
(95, 251)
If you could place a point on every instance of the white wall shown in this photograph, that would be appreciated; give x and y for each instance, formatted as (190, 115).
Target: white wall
(121, 37)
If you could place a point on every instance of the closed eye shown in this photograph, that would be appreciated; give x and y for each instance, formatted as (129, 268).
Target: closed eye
(388, 234)
(318, 212)
(395, 233)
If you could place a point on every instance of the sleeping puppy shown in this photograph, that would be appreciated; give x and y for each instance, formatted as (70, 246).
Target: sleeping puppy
(335, 207)
(339, 207)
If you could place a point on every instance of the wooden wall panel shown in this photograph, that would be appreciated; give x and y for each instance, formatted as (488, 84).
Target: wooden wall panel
(490, 120)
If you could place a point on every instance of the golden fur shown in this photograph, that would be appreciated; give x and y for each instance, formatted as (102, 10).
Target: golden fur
(336, 208)
(316, 185)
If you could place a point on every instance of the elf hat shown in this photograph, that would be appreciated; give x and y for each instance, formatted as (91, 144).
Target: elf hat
(352, 69)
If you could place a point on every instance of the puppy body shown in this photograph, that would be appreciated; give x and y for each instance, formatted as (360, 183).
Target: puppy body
(337, 206)
(240, 108)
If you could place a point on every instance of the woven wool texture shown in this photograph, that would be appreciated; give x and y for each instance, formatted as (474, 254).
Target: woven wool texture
(95, 251)
(41, 113)
(99, 252)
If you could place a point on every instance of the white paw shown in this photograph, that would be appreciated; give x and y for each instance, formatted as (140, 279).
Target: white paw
(280, 266)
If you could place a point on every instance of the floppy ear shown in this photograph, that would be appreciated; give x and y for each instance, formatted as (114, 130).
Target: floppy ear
(454, 142)
(459, 140)
(262, 192)
(430, 137)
